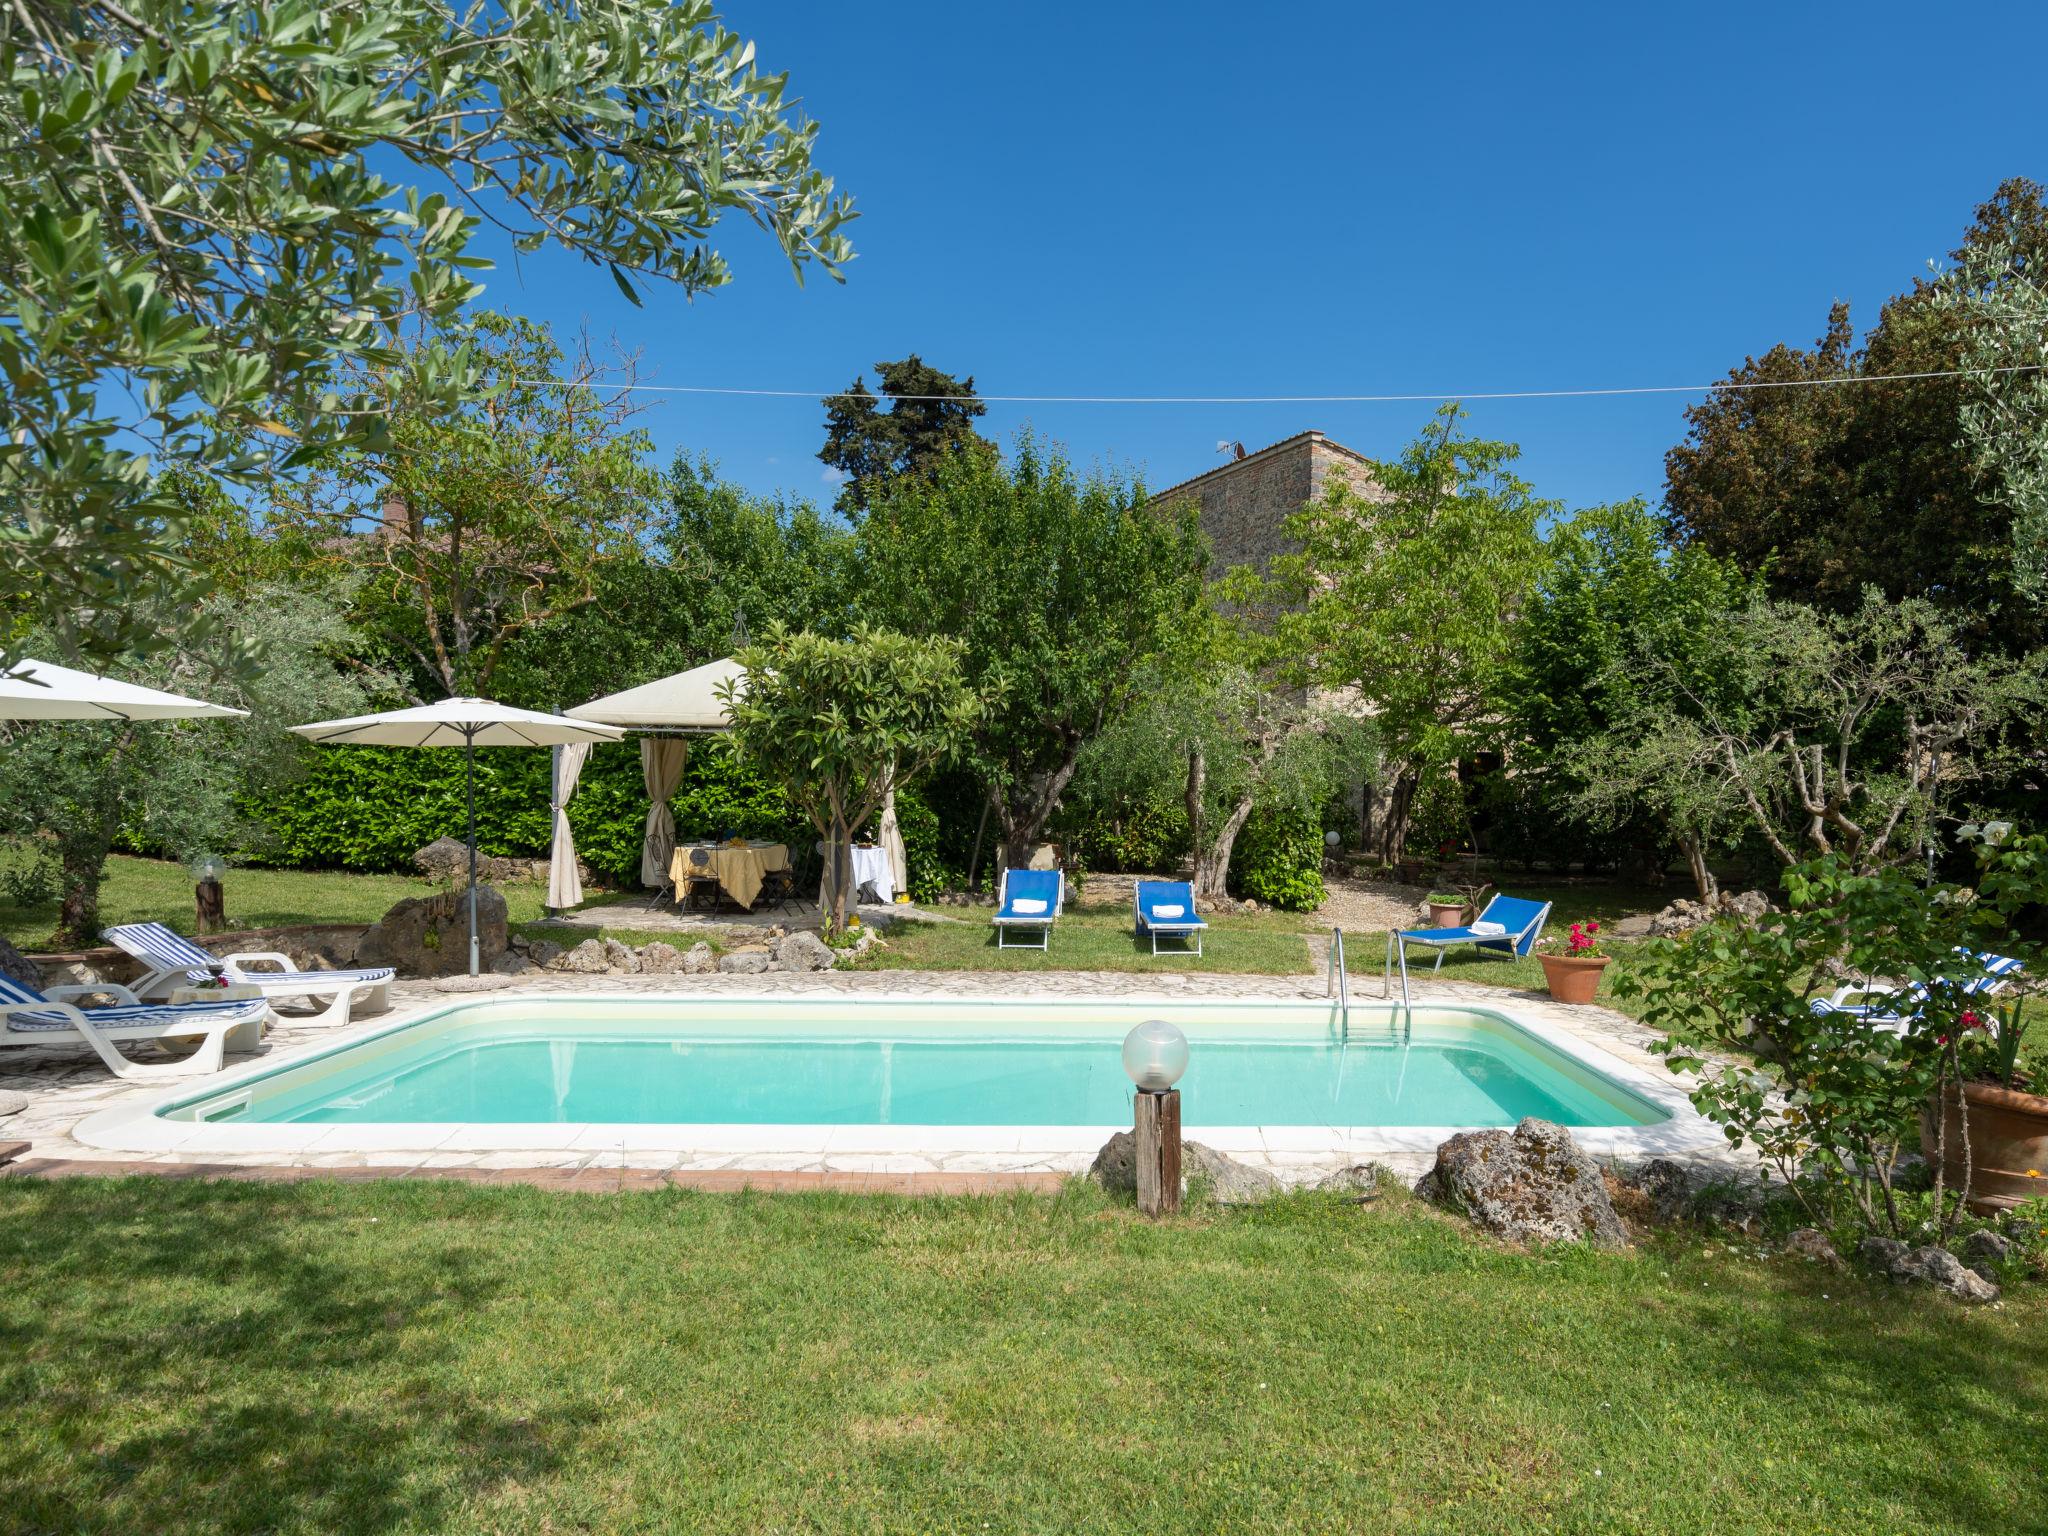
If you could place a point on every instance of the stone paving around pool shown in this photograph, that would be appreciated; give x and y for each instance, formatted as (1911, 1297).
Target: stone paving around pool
(66, 1085)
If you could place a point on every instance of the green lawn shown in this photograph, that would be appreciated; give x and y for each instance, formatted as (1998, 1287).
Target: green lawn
(415, 1357)
(139, 890)
(1099, 938)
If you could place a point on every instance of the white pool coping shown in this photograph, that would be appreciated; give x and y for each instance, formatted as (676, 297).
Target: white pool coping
(134, 1125)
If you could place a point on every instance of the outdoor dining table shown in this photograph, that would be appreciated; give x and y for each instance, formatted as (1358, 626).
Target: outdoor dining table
(739, 870)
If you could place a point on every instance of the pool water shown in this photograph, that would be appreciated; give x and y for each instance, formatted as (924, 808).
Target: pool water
(875, 1062)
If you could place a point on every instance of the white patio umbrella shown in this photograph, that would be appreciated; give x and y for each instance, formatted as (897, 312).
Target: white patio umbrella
(465, 723)
(42, 690)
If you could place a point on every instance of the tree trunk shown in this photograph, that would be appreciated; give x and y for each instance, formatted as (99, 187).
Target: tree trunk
(78, 914)
(1198, 775)
(1024, 825)
(1703, 880)
(1389, 838)
(1212, 864)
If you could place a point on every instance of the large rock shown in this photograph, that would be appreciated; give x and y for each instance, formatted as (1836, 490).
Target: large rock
(586, 959)
(621, 957)
(429, 935)
(12, 1103)
(447, 858)
(1682, 916)
(1360, 1181)
(1983, 1251)
(18, 967)
(1227, 1181)
(804, 951)
(1811, 1244)
(543, 952)
(1926, 1266)
(744, 962)
(511, 963)
(700, 959)
(659, 958)
(1528, 1185)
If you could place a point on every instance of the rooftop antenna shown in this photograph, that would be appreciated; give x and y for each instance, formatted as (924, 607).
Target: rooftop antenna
(1225, 445)
(739, 629)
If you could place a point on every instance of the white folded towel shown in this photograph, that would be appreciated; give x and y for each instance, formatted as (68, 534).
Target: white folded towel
(1028, 906)
(1490, 930)
(1168, 914)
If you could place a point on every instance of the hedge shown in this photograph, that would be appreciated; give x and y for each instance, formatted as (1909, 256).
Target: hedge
(371, 808)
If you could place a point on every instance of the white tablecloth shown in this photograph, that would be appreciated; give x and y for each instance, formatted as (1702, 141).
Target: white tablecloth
(871, 867)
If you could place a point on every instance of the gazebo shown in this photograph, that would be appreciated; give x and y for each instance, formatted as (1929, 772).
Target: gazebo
(664, 714)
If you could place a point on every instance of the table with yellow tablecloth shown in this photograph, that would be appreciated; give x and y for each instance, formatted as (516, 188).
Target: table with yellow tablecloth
(738, 870)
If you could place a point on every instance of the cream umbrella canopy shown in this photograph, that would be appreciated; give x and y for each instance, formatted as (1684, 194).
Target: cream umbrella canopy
(465, 723)
(42, 690)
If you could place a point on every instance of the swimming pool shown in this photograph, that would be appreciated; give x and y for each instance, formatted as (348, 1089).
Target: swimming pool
(893, 1062)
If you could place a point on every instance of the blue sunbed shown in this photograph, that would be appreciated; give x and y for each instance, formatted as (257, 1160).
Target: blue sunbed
(1509, 926)
(1895, 1010)
(1168, 907)
(1028, 900)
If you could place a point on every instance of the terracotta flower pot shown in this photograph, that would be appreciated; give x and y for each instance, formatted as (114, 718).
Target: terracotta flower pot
(1447, 914)
(2008, 1144)
(1573, 978)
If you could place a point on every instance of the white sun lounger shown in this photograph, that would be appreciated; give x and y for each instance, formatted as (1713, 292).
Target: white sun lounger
(175, 961)
(30, 1017)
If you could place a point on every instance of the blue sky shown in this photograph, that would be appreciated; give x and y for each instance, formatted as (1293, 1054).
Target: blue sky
(1328, 199)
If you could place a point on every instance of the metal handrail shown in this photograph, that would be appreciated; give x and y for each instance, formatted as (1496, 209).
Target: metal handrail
(1338, 981)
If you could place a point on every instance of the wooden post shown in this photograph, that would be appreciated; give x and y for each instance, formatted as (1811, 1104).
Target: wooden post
(1157, 1132)
(212, 906)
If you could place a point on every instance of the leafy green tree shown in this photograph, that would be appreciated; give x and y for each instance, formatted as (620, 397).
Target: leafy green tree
(1843, 486)
(1058, 587)
(930, 415)
(838, 723)
(1615, 619)
(1999, 292)
(1827, 733)
(480, 520)
(719, 564)
(208, 208)
(70, 789)
(1406, 594)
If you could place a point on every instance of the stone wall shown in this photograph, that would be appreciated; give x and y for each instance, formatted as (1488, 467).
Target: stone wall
(1245, 503)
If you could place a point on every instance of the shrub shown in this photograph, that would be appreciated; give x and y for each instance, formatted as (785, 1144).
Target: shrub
(928, 872)
(1138, 838)
(370, 808)
(1279, 859)
(1829, 1100)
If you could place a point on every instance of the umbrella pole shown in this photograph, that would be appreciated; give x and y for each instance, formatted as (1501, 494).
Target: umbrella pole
(469, 753)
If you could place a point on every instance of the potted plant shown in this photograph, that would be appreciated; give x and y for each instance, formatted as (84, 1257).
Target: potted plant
(1446, 910)
(1572, 969)
(1990, 1134)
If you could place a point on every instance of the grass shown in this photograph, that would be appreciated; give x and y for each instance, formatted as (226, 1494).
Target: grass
(412, 1357)
(141, 890)
(1099, 938)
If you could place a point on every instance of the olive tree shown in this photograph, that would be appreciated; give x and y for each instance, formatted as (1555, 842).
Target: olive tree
(1824, 733)
(1059, 587)
(70, 789)
(208, 207)
(840, 723)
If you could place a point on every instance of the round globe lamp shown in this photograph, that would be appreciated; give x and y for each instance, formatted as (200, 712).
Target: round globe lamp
(1155, 1056)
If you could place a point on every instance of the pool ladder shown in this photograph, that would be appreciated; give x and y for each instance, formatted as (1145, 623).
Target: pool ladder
(1338, 982)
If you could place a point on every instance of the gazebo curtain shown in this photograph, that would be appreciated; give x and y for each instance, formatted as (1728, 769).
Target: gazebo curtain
(565, 880)
(661, 766)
